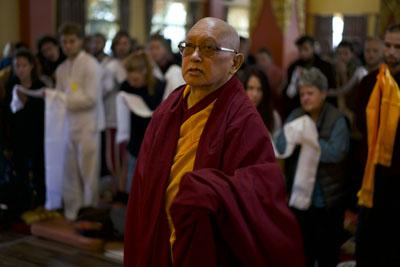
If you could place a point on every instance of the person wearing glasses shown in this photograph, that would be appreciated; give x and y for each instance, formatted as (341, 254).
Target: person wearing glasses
(207, 190)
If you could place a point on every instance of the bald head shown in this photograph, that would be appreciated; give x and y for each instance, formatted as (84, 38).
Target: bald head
(210, 54)
(225, 33)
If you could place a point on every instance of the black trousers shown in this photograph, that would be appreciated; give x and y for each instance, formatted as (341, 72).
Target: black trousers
(378, 231)
(322, 231)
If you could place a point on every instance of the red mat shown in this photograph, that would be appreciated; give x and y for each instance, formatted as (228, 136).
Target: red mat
(64, 232)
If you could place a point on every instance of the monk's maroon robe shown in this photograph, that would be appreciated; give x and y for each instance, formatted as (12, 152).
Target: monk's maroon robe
(231, 209)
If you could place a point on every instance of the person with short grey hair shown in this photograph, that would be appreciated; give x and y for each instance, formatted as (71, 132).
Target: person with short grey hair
(307, 58)
(313, 76)
(321, 223)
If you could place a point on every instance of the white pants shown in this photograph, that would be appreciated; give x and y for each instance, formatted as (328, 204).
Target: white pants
(81, 173)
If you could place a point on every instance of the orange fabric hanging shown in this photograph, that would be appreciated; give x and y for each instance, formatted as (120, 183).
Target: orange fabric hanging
(383, 112)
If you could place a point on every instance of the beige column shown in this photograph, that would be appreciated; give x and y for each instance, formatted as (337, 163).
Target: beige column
(137, 20)
(372, 23)
(9, 21)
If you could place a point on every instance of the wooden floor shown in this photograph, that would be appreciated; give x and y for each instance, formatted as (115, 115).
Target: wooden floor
(18, 250)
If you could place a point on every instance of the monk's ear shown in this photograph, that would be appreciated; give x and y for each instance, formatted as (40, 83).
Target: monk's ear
(237, 62)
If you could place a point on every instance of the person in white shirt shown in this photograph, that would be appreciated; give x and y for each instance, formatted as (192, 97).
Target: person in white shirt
(78, 78)
(97, 45)
(165, 65)
(122, 45)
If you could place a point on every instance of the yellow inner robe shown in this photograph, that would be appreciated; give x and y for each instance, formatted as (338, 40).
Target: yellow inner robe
(185, 155)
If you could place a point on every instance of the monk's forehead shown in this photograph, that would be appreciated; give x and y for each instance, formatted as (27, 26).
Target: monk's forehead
(219, 31)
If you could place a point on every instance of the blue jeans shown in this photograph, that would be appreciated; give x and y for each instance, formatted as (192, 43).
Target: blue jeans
(131, 172)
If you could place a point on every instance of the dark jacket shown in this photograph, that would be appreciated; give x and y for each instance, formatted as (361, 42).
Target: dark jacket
(331, 176)
(139, 124)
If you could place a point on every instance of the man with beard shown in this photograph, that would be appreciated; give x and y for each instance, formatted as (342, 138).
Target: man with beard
(307, 58)
(377, 118)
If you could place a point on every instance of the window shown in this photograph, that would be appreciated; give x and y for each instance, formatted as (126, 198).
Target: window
(337, 29)
(169, 18)
(238, 16)
(103, 16)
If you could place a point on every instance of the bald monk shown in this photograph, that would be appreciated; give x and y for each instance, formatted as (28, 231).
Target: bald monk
(207, 191)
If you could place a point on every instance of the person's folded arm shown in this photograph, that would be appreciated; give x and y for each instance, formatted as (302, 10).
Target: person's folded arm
(336, 147)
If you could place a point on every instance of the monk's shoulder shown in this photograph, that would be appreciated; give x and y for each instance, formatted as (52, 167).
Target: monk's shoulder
(169, 103)
(241, 105)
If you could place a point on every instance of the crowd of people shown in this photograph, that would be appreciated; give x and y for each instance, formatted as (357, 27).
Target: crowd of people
(75, 71)
(167, 130)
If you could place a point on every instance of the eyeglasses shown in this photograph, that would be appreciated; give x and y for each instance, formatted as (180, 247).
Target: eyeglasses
(207, 50)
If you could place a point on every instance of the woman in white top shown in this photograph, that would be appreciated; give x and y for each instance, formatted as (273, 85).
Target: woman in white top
(165, 68)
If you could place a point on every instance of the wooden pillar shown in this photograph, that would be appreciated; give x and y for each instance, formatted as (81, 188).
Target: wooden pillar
(9, 19)
(36, 18)
(124, 14)
(24, 20)
(216, 9)
(137, 20)
(42, 20)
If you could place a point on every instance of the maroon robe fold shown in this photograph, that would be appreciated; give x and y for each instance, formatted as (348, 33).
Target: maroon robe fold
(231, 209)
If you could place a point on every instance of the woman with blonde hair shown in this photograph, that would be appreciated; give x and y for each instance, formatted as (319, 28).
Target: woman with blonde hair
(142, 87)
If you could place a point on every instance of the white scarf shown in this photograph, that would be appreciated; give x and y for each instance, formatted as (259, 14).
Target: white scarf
(302, 131)
(55, 109)
(54, 137)
(127, 103)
